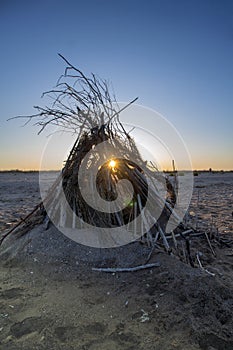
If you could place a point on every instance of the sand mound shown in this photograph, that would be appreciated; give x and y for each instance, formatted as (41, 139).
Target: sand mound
(51, 246)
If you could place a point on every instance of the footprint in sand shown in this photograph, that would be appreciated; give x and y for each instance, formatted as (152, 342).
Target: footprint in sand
(27, 326)
(11, 293)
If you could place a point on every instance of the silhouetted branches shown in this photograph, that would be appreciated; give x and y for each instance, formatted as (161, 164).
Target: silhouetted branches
(79, 103)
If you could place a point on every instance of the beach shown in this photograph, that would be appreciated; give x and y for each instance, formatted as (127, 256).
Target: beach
(64, 304)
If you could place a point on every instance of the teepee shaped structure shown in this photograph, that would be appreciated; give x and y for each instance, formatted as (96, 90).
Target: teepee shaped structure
(93, 187)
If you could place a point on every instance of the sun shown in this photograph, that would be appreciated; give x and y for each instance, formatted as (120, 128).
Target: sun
(112, 163)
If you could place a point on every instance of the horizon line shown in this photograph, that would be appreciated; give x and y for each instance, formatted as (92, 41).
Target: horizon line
(165, 170)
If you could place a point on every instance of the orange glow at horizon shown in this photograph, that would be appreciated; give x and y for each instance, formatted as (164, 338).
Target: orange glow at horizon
(20, 162)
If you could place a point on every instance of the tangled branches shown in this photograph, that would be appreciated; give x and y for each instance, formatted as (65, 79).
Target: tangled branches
(79, 104)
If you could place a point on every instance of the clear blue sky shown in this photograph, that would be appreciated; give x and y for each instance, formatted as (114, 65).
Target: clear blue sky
(177, 56)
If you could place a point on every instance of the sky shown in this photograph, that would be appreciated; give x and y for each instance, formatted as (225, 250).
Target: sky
(176, 56)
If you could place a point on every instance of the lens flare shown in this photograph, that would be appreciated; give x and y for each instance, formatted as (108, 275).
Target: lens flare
(112, 163)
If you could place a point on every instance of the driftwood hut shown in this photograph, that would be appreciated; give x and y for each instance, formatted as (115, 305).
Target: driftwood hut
(105, 184)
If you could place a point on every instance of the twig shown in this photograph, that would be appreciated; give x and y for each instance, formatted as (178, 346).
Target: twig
(122, 109)
(175, 176)
(187, 232)
(165, 242)
(183, 251)
(187, 242)
(126, 269)
(210, 245)
(198, 199)
(149, 255)
(174, 239)
(21, 222)
(202, 268)
(154, 245)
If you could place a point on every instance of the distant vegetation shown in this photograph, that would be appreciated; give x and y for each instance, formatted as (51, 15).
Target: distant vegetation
(25, 171)
(197, 172)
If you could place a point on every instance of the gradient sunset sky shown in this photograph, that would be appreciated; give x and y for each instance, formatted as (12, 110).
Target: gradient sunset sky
(177, 56)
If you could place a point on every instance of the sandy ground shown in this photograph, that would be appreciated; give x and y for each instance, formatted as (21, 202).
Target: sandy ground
(62, 304)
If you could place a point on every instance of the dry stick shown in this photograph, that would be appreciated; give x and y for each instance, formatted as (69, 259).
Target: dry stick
(143, 217)
(121, 110)
(199, 234)
(187, 232)
(175, 176)
(126, 269)
(74, 214)
(210, 245)
(53, 205)
(185, 219)
(52, 189)
(72, 150)
(165, 242)
(153, 247)
(198, 198)
(211, 227)
(217, 234)
(87, 80)
(135, 219)
(187, 242)
(129, 221)
(119, 216)
(174, 240)
(21, 221)
(93, 189)
(184, 254)
(62, 214)
(173, 212)
(120, 223)
(201, 266)
(162, 234)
